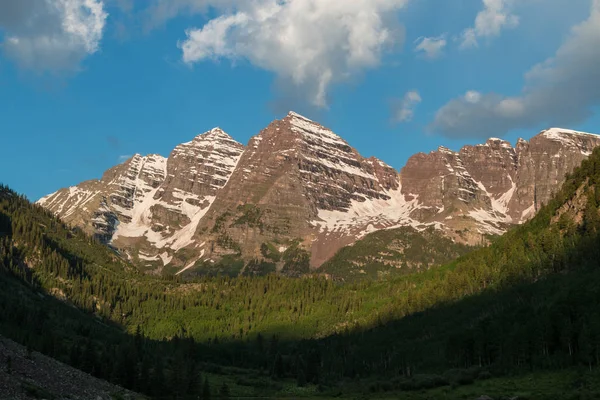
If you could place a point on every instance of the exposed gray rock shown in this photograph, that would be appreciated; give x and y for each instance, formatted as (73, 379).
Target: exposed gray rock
(36, 376)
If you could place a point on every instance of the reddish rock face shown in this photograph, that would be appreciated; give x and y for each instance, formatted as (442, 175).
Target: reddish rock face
(542, 166)
(299, 185)
(290, 172)
(484, 189)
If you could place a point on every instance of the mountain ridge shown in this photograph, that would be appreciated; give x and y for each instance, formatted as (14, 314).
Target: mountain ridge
(297, 184)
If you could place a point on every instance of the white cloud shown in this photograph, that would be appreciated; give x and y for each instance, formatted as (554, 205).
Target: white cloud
(161, 11)
(431, 47)
(308, 44)
(404, 111)
(563, 90)
(472, 97)
(51, 35)
(495, 16)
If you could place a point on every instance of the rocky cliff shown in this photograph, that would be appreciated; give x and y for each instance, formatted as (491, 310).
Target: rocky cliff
(298, 192)
(484, 189)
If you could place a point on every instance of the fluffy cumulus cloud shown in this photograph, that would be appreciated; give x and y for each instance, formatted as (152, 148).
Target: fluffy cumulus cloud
(431, 47)
(308, 44)
(51, 35)
(562, 90)
(404, 110)
(495, 16)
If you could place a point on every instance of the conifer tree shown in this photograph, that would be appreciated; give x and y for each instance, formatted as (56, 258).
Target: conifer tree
(206, 390)
(224, 391)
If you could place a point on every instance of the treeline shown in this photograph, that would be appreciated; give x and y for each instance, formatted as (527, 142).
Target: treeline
(527, 302)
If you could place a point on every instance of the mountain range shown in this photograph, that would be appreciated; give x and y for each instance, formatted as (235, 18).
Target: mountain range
(298, 193)
(515, 318)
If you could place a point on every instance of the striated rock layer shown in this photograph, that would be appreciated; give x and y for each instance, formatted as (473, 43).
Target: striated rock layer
(486, 188)
(298, 192)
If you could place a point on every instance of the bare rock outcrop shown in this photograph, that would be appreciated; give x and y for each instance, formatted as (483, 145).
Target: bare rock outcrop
(298, 185)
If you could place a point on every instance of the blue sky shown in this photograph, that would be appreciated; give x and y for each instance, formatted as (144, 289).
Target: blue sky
(83, 85)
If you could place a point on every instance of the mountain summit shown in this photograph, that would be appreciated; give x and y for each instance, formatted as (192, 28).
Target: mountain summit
(298, 192)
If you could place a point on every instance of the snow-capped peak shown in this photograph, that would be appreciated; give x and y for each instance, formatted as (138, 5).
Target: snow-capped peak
(217, 131)
(496, 140)
(493, 142)
(560, 133)
(314, 130)
(574, 139)
(445, 150)
(214, 135)
(296, 115)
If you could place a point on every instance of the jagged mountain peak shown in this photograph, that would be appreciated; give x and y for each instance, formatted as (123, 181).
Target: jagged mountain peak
(137, 158)
(582, 141)
(294, 114)
(299, 182)
(446, 150)
(213, 135)
(497, 142)
(313, 131)
(318, 148)
(379, 163)
(557, 132)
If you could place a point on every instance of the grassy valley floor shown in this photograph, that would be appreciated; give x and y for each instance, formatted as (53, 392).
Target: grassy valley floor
(569, 384)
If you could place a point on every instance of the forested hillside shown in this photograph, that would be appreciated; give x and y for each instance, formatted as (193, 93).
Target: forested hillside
(386, 254)
(526, 303)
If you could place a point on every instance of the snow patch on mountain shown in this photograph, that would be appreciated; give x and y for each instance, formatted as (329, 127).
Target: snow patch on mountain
(143, 195)
(569, 138)
(489, 221)
(184, 237)
(500, 203)
(76, 198)
(528, 213)
(314, 131)
(560, 133)
(370, 215)
(192, 263)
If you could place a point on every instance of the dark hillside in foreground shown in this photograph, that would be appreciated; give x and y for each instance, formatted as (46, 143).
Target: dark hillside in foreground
(26, 374)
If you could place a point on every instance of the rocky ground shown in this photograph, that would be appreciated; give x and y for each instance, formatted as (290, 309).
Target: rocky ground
(35, 376)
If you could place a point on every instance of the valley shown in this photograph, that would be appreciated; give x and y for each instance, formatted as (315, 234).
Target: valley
(525, 303)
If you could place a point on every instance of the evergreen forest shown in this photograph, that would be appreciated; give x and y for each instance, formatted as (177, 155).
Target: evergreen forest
(527, 305)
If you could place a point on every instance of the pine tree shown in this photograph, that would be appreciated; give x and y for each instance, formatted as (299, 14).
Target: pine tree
(224, 391)
(158, 379)
(278, 369)
(206, 390)
(143, 380)
(301, 378)
(194, 379)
